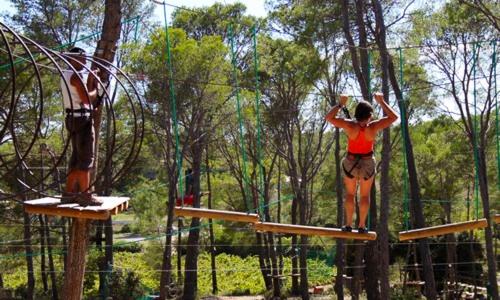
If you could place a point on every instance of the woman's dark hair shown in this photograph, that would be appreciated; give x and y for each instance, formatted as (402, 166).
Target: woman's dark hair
(363, 111)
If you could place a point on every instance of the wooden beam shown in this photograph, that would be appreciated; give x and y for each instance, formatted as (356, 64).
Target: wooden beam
(315, 231)
(65, 212)
(441, 229)
(216, 214)
(53, 207)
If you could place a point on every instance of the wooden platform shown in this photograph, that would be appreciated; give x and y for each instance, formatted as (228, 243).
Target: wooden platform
(53, 207)
(312, 230)
(216, 214)
(442, 229)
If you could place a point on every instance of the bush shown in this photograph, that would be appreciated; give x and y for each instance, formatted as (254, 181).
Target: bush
(128, 247)
(125, 285)
(409, 293)
(125, 229)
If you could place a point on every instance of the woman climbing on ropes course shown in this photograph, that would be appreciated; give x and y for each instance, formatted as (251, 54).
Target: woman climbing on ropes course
(359, 163)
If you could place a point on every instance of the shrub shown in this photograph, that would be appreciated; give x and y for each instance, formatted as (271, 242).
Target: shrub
(128, 247)
(125, 285)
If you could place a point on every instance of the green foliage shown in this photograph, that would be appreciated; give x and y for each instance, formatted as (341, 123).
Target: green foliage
(127, 247)
(125, 285)
(54, 22)
(405, 293)
(305, 19)
(148, 202)
(213, 20)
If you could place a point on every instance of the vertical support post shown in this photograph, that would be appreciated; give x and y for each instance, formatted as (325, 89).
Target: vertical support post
(246, 181)
(257, 121)
(406, 204)
(475, 132)
(173, 106)
(495, 95)
(76, 260)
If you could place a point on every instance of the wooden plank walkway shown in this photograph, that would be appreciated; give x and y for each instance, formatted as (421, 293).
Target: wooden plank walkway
(216, 214)
(441, 229)
(52, 206)
(315, 231)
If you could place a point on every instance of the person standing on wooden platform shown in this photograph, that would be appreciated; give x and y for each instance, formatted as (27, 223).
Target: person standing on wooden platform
(79, 99)
(359, 163)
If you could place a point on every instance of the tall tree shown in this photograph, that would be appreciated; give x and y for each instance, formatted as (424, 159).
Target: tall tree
(73, 283)
(304, 22)
(196, 64)
(464, 64)
(54, 22)
(416, 205)
(488, 8)
(298, 134)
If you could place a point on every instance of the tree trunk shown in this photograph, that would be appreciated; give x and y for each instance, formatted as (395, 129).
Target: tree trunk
(192, 251)
(340, 253)
(64, 235)
(488, 235)
(166, 268)
(78, 242)
(295, 263)
(361, 68)
(106, 264)
(416, 211)
(274, 263)
(278, 220)
(29, 258)
(41, 220)
(52, 269)
(180, 229)
(264, 268)
(210, 226)
(372, 255)
(105, 50)
(359, 250)
(43, 265)
(73, 280)
(383, 227)
(415, 204)
(304, 282)
(451, 255)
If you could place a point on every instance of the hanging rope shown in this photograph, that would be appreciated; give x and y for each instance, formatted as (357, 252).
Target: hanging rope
(406, 203)
(240, 119)
(475, 131)
(257, 122)
(495, 94)
(178, 158)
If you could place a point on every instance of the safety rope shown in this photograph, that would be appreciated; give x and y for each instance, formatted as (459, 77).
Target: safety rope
(402, 105)
(240, 118)
(173, 105)
(258, 121)
(475, 132)
(495, 94)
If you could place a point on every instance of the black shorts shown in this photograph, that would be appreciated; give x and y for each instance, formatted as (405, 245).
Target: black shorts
(81, 132)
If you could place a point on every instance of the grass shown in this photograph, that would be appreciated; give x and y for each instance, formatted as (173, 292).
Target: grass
(236, 275)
